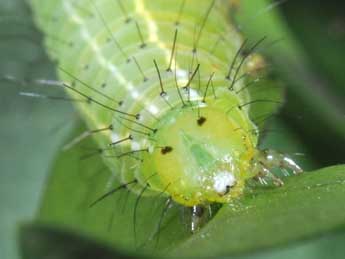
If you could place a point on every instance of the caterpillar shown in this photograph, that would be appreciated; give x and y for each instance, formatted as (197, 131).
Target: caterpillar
(170, 91)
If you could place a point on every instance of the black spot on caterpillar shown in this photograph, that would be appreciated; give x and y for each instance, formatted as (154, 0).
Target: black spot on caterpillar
(158, 74)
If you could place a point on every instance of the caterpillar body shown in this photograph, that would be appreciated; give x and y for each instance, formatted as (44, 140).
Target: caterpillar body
(168, 88)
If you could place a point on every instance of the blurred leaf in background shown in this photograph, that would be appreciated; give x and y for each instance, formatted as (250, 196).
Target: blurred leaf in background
(29, 132)
(320, 31)
(308, 57)
(303, 54)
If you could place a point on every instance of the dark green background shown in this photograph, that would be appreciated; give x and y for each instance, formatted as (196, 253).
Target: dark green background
(32, 130)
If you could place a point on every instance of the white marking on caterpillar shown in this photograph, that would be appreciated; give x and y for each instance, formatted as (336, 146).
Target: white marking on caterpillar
(135, 145)
(115, 137)
(223, 180)
(152, 27)
(135, 94)
(193, 94)
(182, 76)
(153, 109)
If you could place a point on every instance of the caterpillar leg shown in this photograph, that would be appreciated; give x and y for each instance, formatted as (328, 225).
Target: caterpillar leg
(265, 160)
(199, 215)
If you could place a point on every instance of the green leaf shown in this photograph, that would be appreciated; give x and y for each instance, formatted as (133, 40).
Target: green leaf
(307, 205)
(328, 31)
(39, 241)
(29, 135)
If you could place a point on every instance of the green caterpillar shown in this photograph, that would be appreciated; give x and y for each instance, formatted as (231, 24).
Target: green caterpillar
(168, 86)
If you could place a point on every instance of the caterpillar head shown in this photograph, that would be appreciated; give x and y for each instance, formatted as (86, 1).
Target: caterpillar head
(201, 154)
